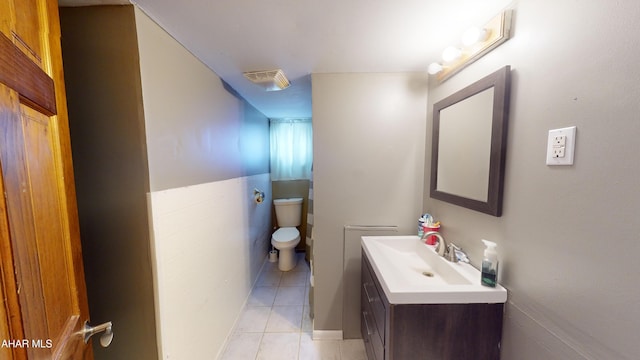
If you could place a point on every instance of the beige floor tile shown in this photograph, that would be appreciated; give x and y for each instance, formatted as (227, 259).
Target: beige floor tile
(307, 322)
(294, 279)
(306, 296)
(275, 323)
(253, 319)
(285, 319)
(269, 266)
(318, 349)
(290, 296)
(262, 296)
(242, 346)
(279, 346)
(301, 264)
(269, 278)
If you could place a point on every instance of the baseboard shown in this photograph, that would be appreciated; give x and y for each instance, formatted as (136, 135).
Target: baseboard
(327, 335)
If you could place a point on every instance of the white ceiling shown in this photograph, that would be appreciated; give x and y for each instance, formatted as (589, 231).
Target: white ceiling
(311, 36)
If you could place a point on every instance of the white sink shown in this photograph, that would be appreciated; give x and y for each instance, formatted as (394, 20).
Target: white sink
(411, 272)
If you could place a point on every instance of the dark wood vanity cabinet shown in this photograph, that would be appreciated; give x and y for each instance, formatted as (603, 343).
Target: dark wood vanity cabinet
(426, 331)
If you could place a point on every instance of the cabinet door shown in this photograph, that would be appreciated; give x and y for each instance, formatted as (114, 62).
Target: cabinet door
(365, 328)
(371, 324)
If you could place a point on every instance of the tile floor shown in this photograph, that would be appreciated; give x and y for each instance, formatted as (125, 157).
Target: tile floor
(275, 323)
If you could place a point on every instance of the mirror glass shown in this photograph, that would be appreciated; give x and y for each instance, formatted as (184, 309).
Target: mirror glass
(463, 156)
(468, 149)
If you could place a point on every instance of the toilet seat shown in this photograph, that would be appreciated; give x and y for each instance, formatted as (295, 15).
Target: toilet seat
(285, 236)
(285, 240)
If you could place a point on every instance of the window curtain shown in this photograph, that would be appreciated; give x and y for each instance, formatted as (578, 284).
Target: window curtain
(291, 145)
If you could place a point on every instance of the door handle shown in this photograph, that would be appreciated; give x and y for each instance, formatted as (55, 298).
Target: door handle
(88, 331)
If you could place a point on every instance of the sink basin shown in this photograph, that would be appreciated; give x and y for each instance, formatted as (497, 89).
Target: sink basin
(411, 272)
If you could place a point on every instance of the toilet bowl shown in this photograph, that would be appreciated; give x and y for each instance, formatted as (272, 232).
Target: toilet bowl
(285, 240)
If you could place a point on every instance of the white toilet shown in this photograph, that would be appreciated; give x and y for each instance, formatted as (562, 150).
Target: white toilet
(285, 239)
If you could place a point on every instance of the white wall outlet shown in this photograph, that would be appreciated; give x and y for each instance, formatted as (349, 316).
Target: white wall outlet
(558, 152)
(561, 146)
(560, 140)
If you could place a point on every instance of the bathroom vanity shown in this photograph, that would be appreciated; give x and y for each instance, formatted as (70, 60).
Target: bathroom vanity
(438, 327)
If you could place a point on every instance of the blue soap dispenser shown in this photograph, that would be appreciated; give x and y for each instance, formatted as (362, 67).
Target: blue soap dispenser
(489, 275)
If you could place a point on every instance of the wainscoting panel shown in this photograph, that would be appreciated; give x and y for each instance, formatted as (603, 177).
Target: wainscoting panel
(208, 244)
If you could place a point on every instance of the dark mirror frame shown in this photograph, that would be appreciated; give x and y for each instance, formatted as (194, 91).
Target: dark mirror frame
(501, 83)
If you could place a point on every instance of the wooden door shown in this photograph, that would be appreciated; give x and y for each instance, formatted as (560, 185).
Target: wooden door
(42, 278)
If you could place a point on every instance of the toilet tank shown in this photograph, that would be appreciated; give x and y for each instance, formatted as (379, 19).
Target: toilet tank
(288, 212)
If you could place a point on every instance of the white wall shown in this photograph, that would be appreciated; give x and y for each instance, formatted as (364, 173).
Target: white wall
(208, 246)
(208, 149)
(569, 237)
(368, 168)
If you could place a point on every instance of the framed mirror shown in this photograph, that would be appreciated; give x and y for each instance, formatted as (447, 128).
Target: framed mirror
(469, 144)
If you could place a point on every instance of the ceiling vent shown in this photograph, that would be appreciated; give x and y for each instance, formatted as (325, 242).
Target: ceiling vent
(270, 80)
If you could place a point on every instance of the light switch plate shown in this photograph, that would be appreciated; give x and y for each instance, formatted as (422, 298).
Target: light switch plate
(561, 146)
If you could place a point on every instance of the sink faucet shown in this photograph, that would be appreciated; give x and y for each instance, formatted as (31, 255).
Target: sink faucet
(441, 245)
(450, 252)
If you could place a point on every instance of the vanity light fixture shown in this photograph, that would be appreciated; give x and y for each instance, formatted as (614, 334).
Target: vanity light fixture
(474, 35)
(451, 53)
(434, 68)
(475, 43)
(270, 80)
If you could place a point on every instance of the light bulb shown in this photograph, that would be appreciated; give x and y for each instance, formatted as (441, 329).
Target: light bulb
(434, 68)
(451, 53)
(474, 35)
